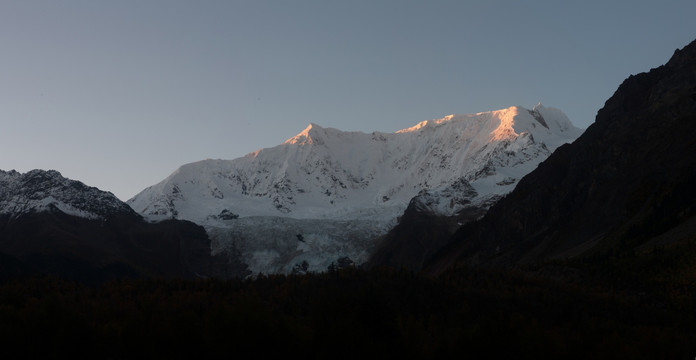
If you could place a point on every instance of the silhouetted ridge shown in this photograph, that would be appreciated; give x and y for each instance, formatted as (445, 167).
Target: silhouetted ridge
(627, 179)
(61, 227)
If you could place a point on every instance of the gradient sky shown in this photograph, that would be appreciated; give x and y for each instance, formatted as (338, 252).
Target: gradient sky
(119, 94)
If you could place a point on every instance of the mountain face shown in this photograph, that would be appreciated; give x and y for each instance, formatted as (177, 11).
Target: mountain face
(53, 225)
(422, 230)
(39, 190)
(327, 173)
(625, 186)
(325, 195)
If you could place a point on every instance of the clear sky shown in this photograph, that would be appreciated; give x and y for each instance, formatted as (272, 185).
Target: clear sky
(119, 94)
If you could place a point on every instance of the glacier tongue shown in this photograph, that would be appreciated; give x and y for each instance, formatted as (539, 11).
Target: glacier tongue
(323, 182)
(271, 244)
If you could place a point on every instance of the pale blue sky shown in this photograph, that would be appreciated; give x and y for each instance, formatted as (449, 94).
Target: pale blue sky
(118, 94)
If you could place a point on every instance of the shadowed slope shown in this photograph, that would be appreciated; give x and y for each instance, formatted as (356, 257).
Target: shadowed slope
(627, 179)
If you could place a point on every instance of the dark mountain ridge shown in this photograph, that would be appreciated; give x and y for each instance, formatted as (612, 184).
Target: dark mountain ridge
(626, 180)
(420, 233)
(57, 226)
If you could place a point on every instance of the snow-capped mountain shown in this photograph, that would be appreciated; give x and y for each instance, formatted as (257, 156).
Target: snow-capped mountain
(351, 177)
(41, 190)
(53, 225)
(327, 173)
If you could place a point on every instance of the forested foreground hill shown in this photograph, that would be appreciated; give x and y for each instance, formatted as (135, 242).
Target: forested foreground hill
(633, 309)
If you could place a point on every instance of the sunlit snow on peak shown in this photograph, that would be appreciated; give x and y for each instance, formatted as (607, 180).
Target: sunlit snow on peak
(505, 129)
(426, 123)
(307, 136)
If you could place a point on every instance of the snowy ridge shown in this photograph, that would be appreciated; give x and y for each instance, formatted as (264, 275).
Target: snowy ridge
(339, 191)
(327, 173)
(40, 191)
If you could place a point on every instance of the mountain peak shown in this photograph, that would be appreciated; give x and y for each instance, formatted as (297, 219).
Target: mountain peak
(308, 136)
(47, 190)
(544, 124)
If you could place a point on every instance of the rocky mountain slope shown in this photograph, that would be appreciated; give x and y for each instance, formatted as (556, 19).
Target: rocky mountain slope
(53, 225)
(357, 184)
(625, 186)
(39, 190)
(421, 231)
